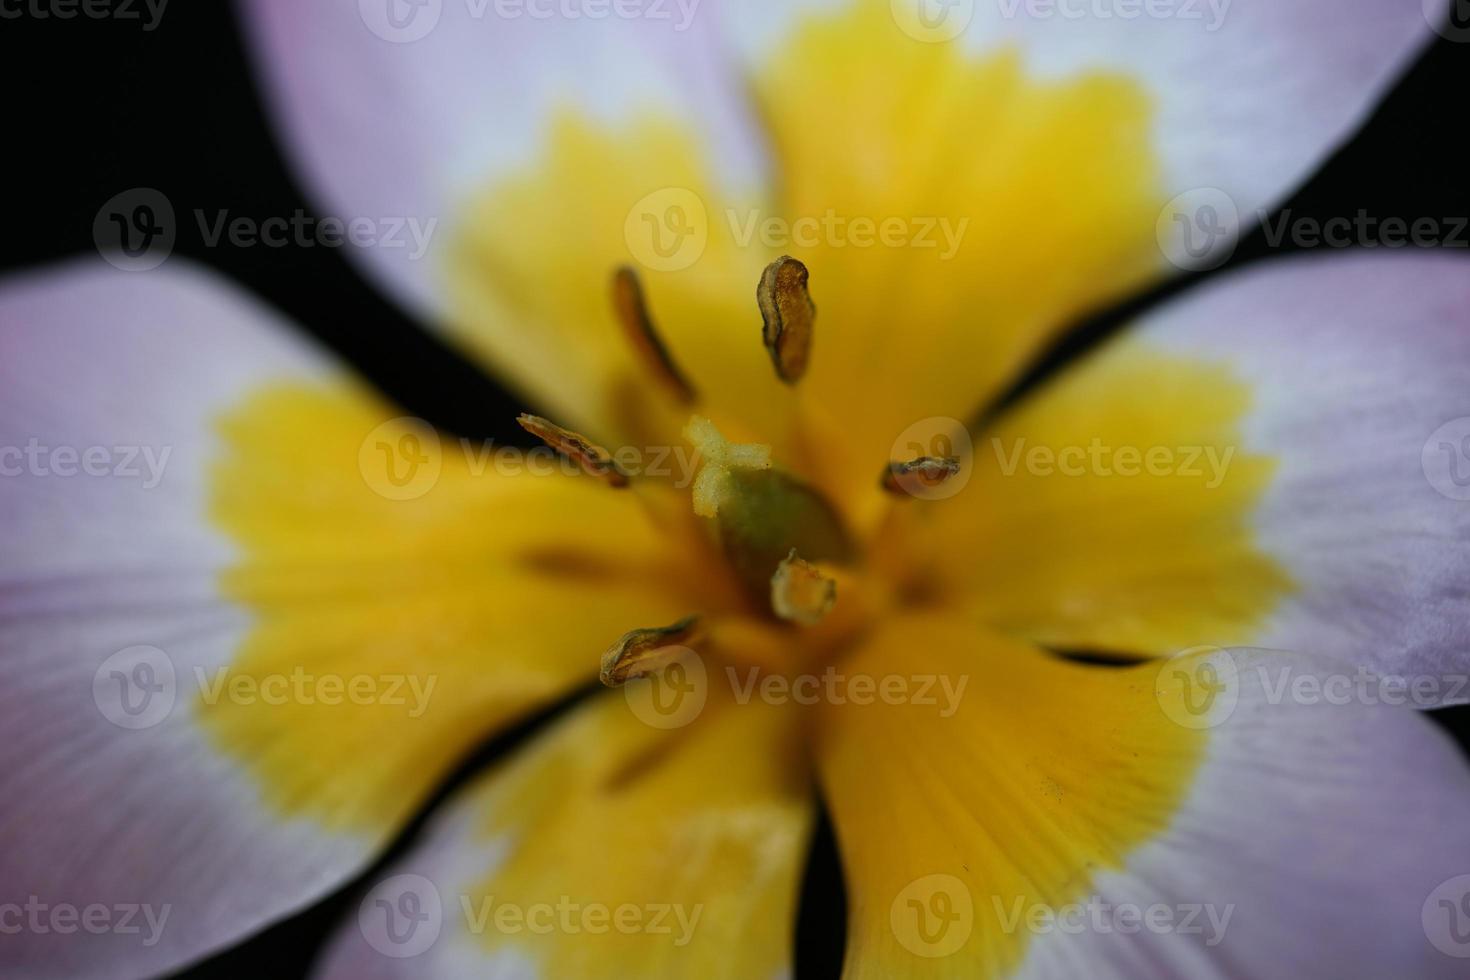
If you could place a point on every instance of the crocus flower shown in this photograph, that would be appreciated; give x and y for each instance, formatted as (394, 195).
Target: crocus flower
(252, 616)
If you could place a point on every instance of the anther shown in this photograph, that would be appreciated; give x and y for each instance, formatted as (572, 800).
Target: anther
(800, 592)
(924, 472)
(643, 651)
(632, 311)
(787, 315)
(594, 460)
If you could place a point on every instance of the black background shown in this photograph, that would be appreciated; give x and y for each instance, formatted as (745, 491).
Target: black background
(95, 107)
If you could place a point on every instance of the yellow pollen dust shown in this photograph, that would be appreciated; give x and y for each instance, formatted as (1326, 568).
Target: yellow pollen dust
(720, 456)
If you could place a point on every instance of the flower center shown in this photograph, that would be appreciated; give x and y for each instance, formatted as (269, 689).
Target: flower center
(783, 542)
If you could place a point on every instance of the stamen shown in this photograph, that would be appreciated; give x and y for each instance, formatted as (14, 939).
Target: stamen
(924, 472)
(787, 315)
(633, 314)
(800, 592)
(594, 460)
(643, 651)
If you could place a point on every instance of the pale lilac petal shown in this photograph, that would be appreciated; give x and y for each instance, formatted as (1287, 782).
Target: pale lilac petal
(413, 123)
(145, 821)
(1314, 842)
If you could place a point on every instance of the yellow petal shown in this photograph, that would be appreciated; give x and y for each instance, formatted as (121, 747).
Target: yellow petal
(1024, 777)
(1113, 511)
(610, 848)
(421, 604)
